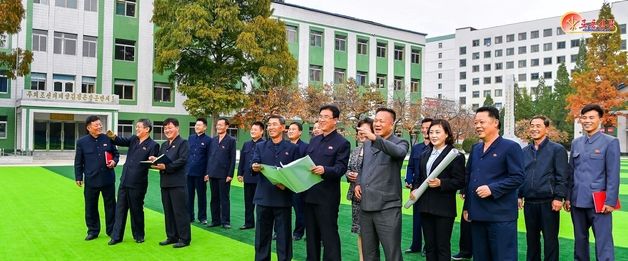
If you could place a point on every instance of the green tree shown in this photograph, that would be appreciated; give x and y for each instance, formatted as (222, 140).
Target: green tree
(523, 104)
(559, 111)
(208, 46)
(581, 58)
(16, 62)
(488, 101)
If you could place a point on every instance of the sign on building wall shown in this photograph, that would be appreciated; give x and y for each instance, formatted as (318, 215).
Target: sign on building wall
(70, 96)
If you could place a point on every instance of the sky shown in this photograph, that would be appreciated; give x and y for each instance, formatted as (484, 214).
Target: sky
(442, 17)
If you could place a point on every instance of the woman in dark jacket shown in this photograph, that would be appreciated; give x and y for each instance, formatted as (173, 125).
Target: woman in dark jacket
(438, 204)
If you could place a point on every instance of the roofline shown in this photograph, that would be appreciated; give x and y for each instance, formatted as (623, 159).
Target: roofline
(350, 18)
(440, 38)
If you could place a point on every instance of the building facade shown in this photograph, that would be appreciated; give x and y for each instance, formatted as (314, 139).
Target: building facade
(97, 57)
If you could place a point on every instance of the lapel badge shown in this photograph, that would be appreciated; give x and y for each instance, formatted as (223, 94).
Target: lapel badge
(144, 148)
(330, 148)
(494, 154)
(104, 145)
(597, 151)
(287, 153)
(203, 143)
(223, 146)
(173, 146)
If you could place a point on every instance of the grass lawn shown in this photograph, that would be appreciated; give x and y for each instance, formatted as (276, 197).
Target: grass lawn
(42, 218)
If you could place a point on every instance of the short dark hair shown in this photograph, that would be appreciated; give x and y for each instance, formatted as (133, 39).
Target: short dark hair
(281, 119)
(223, 119)
(333, 108)
(389, 110)
(424, 120)
(366, 120)
(445, 124)
(174, 122)
(492, 112)
(299, 125)
(203, 120)
(592, 107)
(545, 120)
(90, 119)
(259, 124)
(146, 123)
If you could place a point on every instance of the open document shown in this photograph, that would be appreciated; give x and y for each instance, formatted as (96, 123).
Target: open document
(295, 176)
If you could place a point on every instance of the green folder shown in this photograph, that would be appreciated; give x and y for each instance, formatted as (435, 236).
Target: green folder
(296, 176)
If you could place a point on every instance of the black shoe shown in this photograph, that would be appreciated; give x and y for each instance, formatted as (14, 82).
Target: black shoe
(90, 237)
(423, 253)
(245, 227)
(167, 242)
(213, 225)
(139, 240)
(204, 222)
(409, 250)
(274, 236)
(226, 226)
(460, 257)
(180, 244)
(113, 242)
(297, 237)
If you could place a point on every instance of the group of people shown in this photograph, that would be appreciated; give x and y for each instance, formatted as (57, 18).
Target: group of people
(497, 180)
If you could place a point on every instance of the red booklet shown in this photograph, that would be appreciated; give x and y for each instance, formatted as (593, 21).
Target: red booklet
(108, 157)
(599, 197)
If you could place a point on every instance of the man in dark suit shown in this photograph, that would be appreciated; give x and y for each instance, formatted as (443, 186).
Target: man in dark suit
(294, 134)
(330, 152)
(92, 168)
(412, 172)
(245, 173)
(273, 201)
(196, 167)
(379, 188)
(220, 169)
(172, 180)
(134, 180)
(495, 172)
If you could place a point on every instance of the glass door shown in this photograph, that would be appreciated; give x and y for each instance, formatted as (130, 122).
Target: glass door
(55, 136)
(41, 135)
(69, 135)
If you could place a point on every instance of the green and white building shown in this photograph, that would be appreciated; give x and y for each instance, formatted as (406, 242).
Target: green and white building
(97, 57)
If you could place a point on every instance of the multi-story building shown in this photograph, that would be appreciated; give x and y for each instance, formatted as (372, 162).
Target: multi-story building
(97, 57)
(471, 64)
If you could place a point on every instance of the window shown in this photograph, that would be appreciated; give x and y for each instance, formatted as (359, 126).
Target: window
(575, 43)
(40, 40)
(440, 45)
(233, 132)
(463, 62)
(623, 45)
(547, 60)
(487, 80)
(125, 7)
(561, 45)
(547, 47)
(498, 105)
(125, 50)
(340, 43)
(522, 49)
(510, 51)
(381, 49)
(521, 64)
(316, 73)
(487, 41)
(38, 81)
(88, 85)
(534, 62)
(463, 75)
(43, 2)
(487, 54)
(475, 56)
(534, 48)
(415, 56)
(399, 83)
(66, 3)
(521, 77)
(158, 131)
(463, 88)
(91, 5)
(63, 83)
(89, 46)
(573, 58)
(499, 39)
(65, 43)
(3, 40)
(559, 31)
(510, 64)
(440, 87)
(475, 106)
(547, 75)
(124, 89)
(499, 53)
(547, 32)
(475, 43)
(414, 85)
(316, 38)
(462, 100)
(534, 34)
(360, 78)
(125, 128)
(4, 83)
(192, 130)
(522, 36)
(462, 50)
(499, 66)
(440, 55)
(440, 65)
(510, 38)
(399, 53)
(498, 79)
(475, 68)
(292, 34)
(339, 75)
(476, 94)
(534, 76)
(440, 75)
(162, 92)
(476, 81)
(622, 28)
(381, 80)
(3, 127)
(363, 45)
(486, 93)
(560, 59)
(487, 67)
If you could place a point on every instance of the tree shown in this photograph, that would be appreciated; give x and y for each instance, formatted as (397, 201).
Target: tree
(523, 104)
(209, 46)
(605, 71)
(355, 103)
(488, 101)
(408, 115)
(581, 58)
(559, 112)
(522, 130)
(314, 97)
(459, 118)
(17, 62)
(286, 101)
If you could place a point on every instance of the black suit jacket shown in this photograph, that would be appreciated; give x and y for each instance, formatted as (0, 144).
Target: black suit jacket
(89, 161)
(266, 152)
(174, 174)
(244, 165)
(221, 163)
(441, 201)
(134, 173)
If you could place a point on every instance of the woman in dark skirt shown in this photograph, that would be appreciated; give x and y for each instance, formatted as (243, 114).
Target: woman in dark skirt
(438, 204)
(354, 169)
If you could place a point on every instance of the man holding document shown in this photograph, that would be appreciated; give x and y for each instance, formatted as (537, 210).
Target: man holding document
(274, 201)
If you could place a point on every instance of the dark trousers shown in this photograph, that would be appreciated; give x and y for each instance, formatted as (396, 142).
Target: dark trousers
(280, 218)
(198, 185)
(500, 240)
(416, 229)
(465, 243)
(220, 201)
(540, 218)
(299, 215)
(321, 225)
(92, 217)
(602, 224)
(249, 207)
(383, 227)
(437, 231)
(176, 214)
(129, 199)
